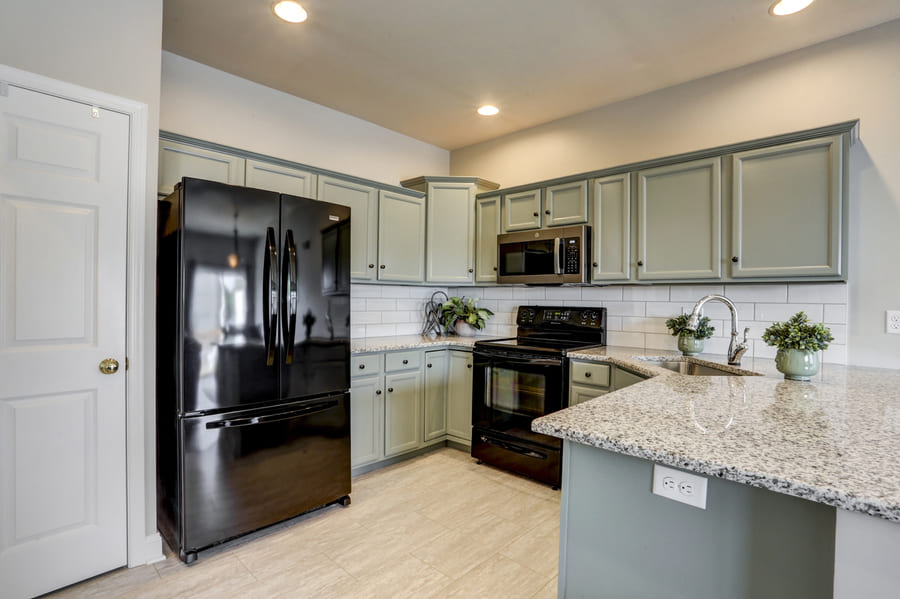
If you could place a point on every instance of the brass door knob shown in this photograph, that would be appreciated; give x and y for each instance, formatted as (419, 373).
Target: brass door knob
(109, 366)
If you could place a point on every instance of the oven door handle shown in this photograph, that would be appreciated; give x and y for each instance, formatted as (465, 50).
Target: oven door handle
(499, 359)
(525, 451)
(557, 256)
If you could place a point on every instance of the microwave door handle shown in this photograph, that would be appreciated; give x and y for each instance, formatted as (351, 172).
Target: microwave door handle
(557, 256)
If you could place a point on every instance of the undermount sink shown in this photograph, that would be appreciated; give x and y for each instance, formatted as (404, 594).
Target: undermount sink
(695, 368)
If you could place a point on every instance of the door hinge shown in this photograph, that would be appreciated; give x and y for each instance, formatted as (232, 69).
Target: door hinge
(95, 112)
(126, 362)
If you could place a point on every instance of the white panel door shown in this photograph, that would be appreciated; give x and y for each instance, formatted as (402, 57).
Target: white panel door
(63, 195)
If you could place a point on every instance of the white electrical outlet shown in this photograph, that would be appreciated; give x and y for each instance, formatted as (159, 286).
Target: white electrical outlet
(679, 486)
(892, 322)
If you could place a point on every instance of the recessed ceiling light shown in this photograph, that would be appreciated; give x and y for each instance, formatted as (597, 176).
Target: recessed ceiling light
(783, 8)
(290, 11)
(488, 110)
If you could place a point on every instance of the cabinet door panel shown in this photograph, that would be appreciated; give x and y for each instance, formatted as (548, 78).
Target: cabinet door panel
(363, 203)
(567, 204)
(366, 426)
(402, 417)
(522, 211)
(487, 227)
(582, 393)
(451, 225)
(178, 160)
(786, 210)
(679, 221)
(264, 175)
(459, 395)
(623, 378)
(612, 228)
(401, 238)
(435, 394)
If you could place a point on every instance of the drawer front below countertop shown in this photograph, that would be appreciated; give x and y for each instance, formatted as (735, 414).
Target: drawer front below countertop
(403, 360)
(365, 365)
(587, 373)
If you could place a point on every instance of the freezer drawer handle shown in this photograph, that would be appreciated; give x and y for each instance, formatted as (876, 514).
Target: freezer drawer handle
(289, 295)
(313, 409)
(514, 448)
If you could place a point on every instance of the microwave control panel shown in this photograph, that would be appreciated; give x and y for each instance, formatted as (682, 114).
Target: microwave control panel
(572, 256)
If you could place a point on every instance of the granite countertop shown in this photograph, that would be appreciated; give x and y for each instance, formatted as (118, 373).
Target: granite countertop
(375, 344)
(834, 440)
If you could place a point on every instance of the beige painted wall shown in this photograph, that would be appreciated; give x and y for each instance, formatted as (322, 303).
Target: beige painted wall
(212, 105)
(853, 77)
(112, 46)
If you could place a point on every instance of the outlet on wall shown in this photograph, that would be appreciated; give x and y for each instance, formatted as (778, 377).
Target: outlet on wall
(679, 486)
(892, 322)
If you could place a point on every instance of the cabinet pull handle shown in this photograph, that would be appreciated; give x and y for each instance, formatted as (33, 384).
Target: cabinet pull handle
(406, 361)
(378, 392)
(381, 267)
(390, 389)
(640, 262)
(362, 366)
(587, 375)
(371, 266)
(735, 259)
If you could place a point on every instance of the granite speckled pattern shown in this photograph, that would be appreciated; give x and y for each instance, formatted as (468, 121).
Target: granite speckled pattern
(376, 344)
(834, 440)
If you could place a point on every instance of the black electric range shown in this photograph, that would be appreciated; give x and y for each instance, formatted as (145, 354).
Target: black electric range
(519, 379)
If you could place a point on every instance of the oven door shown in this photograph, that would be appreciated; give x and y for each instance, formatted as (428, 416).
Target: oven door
(509, 391)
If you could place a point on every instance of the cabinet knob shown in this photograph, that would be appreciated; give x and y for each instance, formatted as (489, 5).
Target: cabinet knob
(547, 212)
(596, 264)
(390, 389)
(640, 262)
(406, 361)
(381, 267)
(428, 365)
(587, 375)
(468, 365)
(534, 214)
(735, 259)
(471, 270)
(378, 392)
(371, 266)
(362, 366)
(495, 269)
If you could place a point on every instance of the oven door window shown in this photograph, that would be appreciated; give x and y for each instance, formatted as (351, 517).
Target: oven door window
(527, 258)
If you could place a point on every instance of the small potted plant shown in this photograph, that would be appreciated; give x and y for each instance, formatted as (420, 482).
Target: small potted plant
(798, 342)
(690, 343)
(463, 317)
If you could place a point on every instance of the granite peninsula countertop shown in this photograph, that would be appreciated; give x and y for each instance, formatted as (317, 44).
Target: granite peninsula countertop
(376, 344)
(834, 440)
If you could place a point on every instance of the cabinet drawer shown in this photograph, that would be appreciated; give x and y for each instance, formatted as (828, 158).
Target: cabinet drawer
(365, 365)
(402, 360)
(586, 373)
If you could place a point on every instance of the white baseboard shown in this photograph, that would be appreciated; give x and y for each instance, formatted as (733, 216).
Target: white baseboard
(150, 552)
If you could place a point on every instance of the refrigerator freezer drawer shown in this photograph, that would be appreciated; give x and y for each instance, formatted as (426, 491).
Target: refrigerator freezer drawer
(246, 470)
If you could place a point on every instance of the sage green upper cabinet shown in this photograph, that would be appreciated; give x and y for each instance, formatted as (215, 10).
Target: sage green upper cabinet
(611, 244)
(522, 211)
(487, 227)
(435, 394)
(450, 227)
(679, 221)
(283, 179)
(459, 395)
(401, 238)
(787, 210)
(363, 203)
(566, 204)
(177, 160)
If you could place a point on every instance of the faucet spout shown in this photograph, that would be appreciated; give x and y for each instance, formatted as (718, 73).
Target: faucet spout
(736, 348)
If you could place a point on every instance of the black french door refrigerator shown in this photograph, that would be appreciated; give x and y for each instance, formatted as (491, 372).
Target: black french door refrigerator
(253, 352)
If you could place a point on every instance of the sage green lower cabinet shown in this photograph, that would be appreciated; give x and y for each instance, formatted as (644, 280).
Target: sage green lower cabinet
(787, 210)
(436, 363)
(588, 380)
(363, 203)
(177, 160)
(582, 393)
(566, 204)
(283, 179)
(402, 412)
(459, 396)
(679, 221)
(366, 420)
(611, 197)
(622, 378)
(522, 211)
(487, 227)
(401, 238)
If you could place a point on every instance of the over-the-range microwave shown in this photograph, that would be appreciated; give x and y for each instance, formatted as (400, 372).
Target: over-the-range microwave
(545, 257)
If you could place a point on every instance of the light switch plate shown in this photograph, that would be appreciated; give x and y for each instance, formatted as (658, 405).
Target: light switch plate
(679, 486)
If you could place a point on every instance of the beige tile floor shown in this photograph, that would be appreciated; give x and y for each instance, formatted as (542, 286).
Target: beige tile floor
(438, 525)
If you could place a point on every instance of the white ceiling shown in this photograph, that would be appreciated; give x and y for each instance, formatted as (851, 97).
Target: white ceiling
(422, 67)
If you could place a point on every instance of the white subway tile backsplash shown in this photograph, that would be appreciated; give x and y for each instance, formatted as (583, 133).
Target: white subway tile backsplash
(357, 331)
(380, 304)
(365, 318)
(365, 290)
(826, 293)
(424, 292)
(625, 308)
(508, 305)
(782, 312)
(380, 330)
(399, 316)
(667, 309)
(835, 354)
(835, 314)
(529, 293)
(413, 305)
(357, 304)
(498, 292)
(563, 293)
(692, 293)
(409, 328)
(644, 325)
(839, 332)
(659, 341)
(492, 305)
(718, 310)
(646, 293)
(601, 293)
(625, 339)
(613, 323)
(395, 291)
(757, 293)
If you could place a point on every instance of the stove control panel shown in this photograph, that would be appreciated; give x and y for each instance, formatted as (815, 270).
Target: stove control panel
(549, 318)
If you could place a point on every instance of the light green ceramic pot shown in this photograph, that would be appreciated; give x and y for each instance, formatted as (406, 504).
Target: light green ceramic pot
(797, 364)
(689, 346)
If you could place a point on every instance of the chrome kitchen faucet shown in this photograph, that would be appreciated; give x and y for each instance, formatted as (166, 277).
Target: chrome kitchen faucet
(735, 349)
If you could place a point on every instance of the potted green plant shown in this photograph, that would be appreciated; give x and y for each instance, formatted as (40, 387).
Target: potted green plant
(798, 342)
(690, 343)
(463, 317)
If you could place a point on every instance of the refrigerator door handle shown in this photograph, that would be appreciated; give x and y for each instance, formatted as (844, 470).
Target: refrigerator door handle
(289, 295)
(270, 296)
(306, 411)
